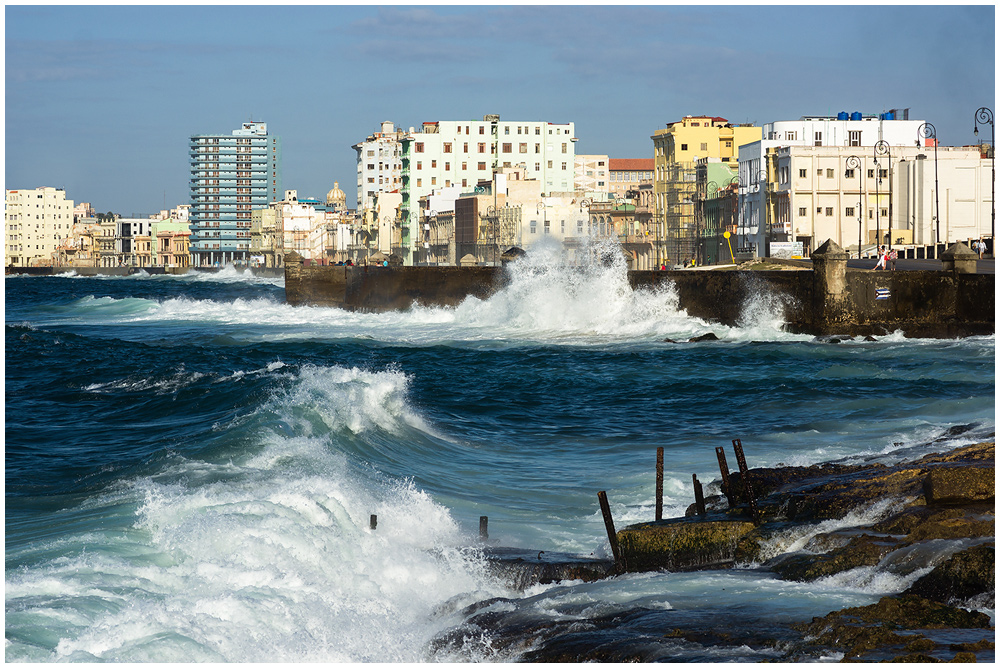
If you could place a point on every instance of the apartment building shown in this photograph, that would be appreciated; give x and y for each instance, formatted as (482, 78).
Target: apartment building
(591, 173)
(913, 196)
(230, 176)
(465, 153)
(379, 163)
(857, 131)
(627, 175)
(36, 223)
(676, 150)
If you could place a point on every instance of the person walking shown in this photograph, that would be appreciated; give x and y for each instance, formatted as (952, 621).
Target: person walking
(882, 257)
(893, 254)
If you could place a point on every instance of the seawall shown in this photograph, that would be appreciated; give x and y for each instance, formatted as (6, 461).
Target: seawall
(830, 299)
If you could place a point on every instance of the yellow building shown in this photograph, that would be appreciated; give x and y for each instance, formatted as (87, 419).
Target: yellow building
(37, 222)
(676, 149)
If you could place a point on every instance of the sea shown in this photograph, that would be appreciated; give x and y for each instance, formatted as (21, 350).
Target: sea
(192, 466)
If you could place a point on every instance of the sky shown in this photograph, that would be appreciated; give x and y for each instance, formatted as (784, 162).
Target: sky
(101, 100)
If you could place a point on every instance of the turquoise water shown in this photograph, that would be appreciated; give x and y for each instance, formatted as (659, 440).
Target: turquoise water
(191, 464)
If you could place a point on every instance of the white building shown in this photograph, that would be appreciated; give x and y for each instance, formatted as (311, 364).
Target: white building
(36, 222)
(464, 153)
(592, 173)
(379, 163)
(845, 130)
(840, 193)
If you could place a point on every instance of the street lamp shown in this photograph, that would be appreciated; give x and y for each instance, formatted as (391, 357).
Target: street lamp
(985, 115)
(881, 148)
(926, 131)
(854, 162)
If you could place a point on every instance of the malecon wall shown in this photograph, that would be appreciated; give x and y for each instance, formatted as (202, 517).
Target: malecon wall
(829, 300)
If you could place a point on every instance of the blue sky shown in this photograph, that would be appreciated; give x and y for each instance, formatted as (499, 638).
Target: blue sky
(101, 100)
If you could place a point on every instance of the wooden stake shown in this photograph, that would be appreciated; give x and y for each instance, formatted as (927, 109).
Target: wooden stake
(609, 525)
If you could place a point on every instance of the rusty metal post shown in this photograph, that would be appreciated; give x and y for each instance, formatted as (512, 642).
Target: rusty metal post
(659, 484)
(748, 494)
(699, 497)
(484, 533)
(609, 525)
(373, 522)
(720, 453)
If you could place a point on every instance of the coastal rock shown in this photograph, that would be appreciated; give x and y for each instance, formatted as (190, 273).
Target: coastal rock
(966, 574)
(863, 550)
(680, 545)
(959, 485)
(708, 336)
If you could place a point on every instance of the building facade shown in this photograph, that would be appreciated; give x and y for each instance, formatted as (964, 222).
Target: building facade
(36, 223)
(379, 163)
(627, 175)
(922, 196)
(855, 131)
(230, 176)
(464, 153)
(676, 150)
(591, 173)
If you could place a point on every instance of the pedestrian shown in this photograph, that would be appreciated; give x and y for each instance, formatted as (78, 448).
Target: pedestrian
(980, 248)
(893, 254)
(882, 257)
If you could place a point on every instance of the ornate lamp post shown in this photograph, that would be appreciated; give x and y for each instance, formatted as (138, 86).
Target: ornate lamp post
(985, 115)
(881, 148)
(926, 131)
(854, 162)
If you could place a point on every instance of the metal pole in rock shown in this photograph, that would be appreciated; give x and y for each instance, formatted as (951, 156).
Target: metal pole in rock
(748, 495)
(659, 484)
(484, 533)
(699, 497)
(373, 522)
(720, 452)
(609, 524)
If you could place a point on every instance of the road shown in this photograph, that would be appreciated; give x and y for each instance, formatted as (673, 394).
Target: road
(982, 266)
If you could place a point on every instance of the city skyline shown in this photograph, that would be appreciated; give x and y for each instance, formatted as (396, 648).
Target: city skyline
(101, 101)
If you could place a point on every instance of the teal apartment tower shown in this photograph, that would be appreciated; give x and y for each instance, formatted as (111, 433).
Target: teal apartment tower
(231, 175)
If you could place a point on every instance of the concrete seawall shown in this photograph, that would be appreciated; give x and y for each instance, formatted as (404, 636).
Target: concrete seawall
(828, 300)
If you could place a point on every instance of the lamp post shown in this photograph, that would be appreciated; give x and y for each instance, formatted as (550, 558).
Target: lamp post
(762, 191)
(881, 148)
(926, 131)
(854, 162)
(985, 115)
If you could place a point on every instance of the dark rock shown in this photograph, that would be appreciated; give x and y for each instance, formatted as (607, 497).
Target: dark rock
(965, 574)
(709, 336)
(863, 550)
(967, 484)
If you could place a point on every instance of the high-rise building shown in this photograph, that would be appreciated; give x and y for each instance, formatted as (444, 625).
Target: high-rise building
(379, 164)
(231, 175)
(36, 223)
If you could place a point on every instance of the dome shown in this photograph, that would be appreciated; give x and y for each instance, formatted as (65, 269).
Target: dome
(336, 196)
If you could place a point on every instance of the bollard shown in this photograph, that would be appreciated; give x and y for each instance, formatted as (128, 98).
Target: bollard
(699, 497)
(659, 484)
(484, 533)
(745, 477)
(609, 524)
(373, 522)
(720, 452)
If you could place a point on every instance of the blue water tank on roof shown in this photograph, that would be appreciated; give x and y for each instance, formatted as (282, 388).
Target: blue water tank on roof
(842, 116)
(889, 116)
(856, 116)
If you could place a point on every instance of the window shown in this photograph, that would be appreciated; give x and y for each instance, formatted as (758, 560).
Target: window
(482, 147)
(802, 211)
(802, 173)
(564, 166)
(464, 166)
(447, 147)
(523, 147)
(465, 147)
(684, 147)
(819, 172)
(482, 130)
(829, 173)
(871, 173)
(885, 213)
(829, 210)
(434, 164)
(534, 227)
(854, 138)
(538, 148)
(434, 180)
(538, 166)
(550, 164)
(849, 212)
(729, 144)
(547, 226)
(791, 135)
(564, 147)
(818, 139)
(419, 147)
(447, 166)
(704, 146)
(538, 130)
(819, 209)
(882, 173)
(849, 174)
(481, 165)
(420, 164)
(507, 148)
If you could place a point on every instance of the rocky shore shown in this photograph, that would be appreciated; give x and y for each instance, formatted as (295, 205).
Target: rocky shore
(934, 514)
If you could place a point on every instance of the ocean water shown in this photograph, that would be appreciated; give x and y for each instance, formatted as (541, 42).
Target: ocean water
(191, 464)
